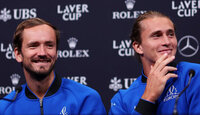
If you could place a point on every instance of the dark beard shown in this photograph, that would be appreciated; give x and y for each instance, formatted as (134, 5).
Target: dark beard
(39, 76)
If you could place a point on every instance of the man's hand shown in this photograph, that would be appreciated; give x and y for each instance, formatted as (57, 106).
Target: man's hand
(157, 78)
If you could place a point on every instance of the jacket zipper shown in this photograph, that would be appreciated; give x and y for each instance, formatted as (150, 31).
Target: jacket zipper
(41, 107)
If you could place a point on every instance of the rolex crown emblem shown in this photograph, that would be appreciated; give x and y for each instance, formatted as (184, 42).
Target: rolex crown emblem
(130, 4)
(15, 79)
(72, 42)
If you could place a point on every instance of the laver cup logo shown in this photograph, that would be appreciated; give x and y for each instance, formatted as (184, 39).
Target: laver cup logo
(123, 48)
(78, 78)
(72, 12)
(186, 8)
(7, 50)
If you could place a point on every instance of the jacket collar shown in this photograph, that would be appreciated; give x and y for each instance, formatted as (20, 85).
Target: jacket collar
(144, 78)
(52, 89)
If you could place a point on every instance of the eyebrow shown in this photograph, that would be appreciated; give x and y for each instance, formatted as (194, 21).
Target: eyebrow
(32, 43)
(36, 43)
(171, 30)
(47, 42)
(156, 32)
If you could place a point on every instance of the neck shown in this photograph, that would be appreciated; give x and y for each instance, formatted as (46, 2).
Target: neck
(146, 67)
(39, 88)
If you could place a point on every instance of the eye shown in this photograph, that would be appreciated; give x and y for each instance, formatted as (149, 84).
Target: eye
(171, 34)
(33, 45)
(50, 44)
(156, 34)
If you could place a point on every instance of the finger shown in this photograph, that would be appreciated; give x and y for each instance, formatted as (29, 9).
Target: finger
(170, 75)
(157, 63)
(160, 60)
(165, 62)
(167, 69)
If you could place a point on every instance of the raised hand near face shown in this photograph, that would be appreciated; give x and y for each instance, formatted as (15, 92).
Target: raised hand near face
(157, 78)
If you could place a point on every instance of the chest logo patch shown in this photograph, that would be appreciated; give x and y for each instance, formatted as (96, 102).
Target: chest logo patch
(171, 94)
(63, 111)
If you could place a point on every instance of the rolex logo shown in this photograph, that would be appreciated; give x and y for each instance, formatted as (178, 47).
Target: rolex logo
(130, 4)
(72, 42)
(15, 79)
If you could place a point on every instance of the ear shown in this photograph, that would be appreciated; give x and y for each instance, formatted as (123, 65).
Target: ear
(137, 47)
(18, 55)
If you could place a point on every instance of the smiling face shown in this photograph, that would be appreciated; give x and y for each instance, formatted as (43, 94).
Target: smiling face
(38, 53)
(157, 38)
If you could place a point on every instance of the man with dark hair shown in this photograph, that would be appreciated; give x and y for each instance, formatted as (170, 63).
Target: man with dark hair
(35, 47)
(155, 91)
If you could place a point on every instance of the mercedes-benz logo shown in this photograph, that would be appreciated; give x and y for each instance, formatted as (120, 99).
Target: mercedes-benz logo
(188, 46)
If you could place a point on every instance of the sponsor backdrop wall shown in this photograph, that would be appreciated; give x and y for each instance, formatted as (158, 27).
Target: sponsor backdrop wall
(95, 49)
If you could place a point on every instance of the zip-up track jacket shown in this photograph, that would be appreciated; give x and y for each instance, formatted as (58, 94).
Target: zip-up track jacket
(129, 101)
(64, 97)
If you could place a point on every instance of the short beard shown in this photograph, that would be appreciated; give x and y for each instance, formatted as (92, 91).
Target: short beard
(39, 76)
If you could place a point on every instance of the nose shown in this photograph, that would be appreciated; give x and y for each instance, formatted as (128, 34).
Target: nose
(42, 51)
(166, 40)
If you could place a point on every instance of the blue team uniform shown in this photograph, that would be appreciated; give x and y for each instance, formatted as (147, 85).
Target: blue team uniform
(128, 101)
(64, 97)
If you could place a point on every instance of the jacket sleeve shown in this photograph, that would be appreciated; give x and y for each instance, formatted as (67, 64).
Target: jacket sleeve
(145, 107)
(4, 104)
(118, 107)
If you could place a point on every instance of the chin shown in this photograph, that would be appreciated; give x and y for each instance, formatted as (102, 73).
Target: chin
(41, 75)
(43, 70)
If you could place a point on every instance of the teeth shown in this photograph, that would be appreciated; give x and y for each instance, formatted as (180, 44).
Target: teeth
(41, 61)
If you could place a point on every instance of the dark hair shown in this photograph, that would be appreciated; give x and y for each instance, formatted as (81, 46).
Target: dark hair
(17, 38)
(136, 29)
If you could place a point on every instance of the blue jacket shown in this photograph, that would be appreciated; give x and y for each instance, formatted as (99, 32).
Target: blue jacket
(125, 101)
(64, 97)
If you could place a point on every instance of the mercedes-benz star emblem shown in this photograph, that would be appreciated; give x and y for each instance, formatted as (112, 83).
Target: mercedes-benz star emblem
(188, 46)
